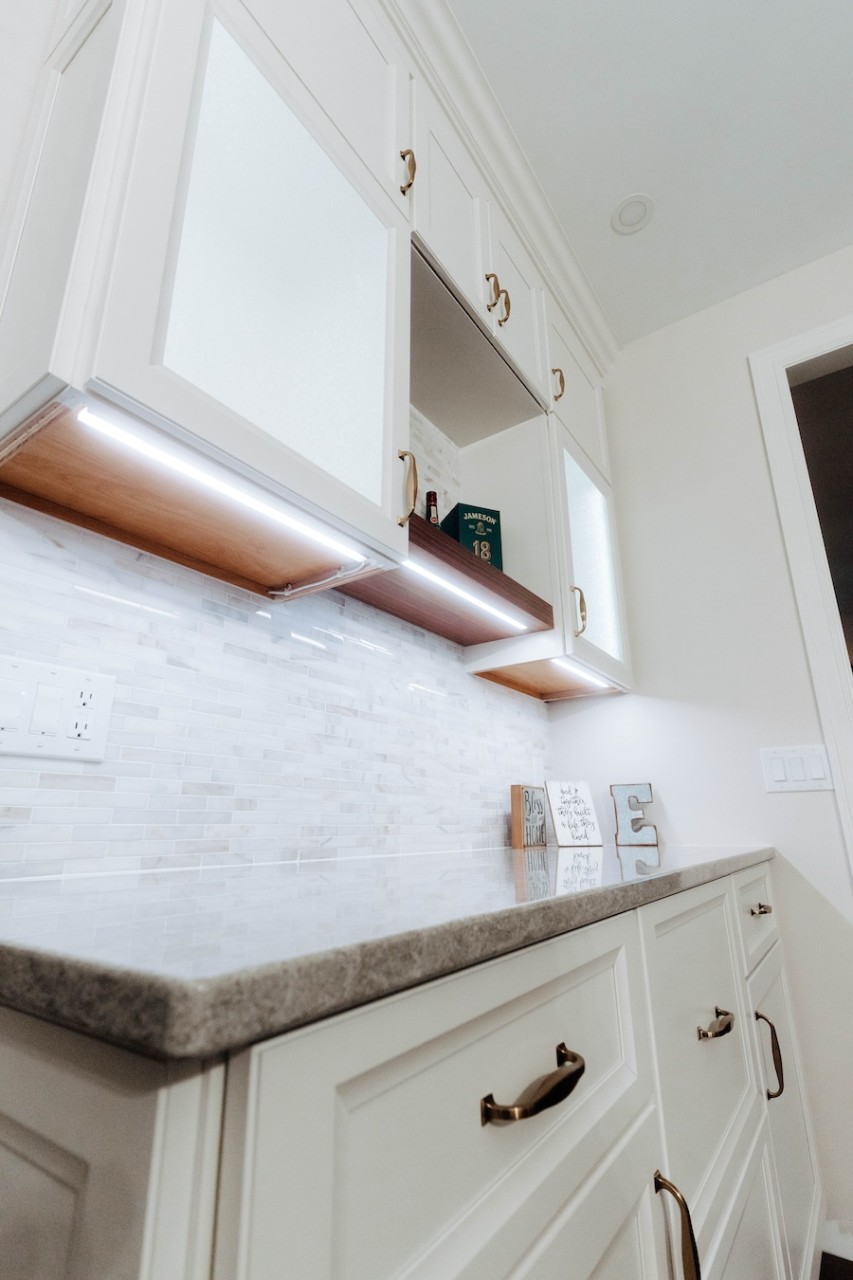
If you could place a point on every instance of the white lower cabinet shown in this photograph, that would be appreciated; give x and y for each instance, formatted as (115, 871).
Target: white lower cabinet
(108, 1161)
(356, 1148)
(790, 1135)
(549, 1114)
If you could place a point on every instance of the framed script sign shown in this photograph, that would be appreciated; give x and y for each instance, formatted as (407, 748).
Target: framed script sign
(527, 817)
(574, 813)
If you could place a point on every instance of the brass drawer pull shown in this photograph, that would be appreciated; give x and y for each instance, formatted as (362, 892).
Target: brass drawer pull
(492, 279)
(409, 156)
(721, 1026)
(411, 484)
(561, 378)
(581, 610)
(761, 910)
(777, 1056)
(507, 306)
(689, 1252)
(543, 1093)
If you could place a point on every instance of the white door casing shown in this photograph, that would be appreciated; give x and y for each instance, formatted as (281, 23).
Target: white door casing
(813, 589)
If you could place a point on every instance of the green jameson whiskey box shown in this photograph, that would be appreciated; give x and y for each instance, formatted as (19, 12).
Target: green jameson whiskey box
(476, 528)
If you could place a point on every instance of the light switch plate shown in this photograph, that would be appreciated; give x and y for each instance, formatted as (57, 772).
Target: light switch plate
(796, 768)
(54, 712)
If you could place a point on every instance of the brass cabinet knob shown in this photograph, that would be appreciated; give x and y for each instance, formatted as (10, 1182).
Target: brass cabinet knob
(507, 306)
(762, 909)
(547, 1091)
(561, 379)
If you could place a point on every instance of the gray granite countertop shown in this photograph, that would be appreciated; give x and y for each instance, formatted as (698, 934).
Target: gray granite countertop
(191, 964)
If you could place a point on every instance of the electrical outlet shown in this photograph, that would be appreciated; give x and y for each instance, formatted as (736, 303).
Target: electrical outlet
(52, 711)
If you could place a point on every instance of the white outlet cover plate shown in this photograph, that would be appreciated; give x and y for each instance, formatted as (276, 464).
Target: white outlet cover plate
(54, 712)
(796, 768)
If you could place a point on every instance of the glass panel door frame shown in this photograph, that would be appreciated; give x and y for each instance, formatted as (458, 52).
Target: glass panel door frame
(125, 364)
(617, 669)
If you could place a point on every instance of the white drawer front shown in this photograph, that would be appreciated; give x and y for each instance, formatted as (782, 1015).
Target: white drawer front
(756, 913)
(366, 1156)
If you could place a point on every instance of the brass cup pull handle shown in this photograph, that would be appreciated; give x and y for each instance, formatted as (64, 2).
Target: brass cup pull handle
(581, 610)
(561, 379)
(543, 1093)
(762, 909)
(777, 1056)
(492, 279)
(721, 1026)
(412, 165)
(689, 1252)
(411, 485)
(507, 306)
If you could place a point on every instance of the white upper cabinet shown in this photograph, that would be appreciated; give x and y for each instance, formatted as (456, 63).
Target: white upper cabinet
(448, 202)
(517, 300)
(558, 538)
(592, 598)
(350, 63)
(257, 276)
(575, 389)
(236, 272)
(472, 244)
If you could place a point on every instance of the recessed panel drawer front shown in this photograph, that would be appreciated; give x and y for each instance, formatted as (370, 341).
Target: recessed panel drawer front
(367, 1156)
(708, 1093)
(756, 913)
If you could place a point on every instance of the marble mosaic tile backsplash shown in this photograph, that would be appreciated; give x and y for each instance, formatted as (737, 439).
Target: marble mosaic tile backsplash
(243, 730)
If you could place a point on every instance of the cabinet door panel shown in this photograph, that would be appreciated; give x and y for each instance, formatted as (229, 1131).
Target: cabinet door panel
(575, 394)
(708, 1094)
(789, 1127)
(522, 333)
(592, 600)
(256, 282)
(355, 73)
(449, 203)
(613, 1230)
(748, 1246)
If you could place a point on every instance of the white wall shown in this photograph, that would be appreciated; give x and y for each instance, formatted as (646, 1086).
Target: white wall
(720, 666)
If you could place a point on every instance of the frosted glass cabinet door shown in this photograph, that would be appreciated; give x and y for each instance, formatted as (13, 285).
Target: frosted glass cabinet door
(595, 628)
(261, 276)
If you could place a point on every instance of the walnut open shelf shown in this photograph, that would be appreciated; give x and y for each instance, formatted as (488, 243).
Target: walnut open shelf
(415, 599)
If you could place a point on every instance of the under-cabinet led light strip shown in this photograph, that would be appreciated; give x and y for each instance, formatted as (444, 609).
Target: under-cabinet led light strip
(239, 496)
(581, 674)
(474, 601)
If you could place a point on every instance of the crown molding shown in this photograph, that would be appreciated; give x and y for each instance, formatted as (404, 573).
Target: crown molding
(443, 57)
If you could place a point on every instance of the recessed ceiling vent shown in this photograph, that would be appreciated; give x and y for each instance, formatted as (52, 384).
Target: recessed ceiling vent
(632, 214)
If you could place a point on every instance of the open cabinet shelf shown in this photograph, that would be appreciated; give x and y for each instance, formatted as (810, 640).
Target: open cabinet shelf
(416, 599)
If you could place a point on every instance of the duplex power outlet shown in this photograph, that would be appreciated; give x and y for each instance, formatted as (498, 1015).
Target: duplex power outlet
(54, 712)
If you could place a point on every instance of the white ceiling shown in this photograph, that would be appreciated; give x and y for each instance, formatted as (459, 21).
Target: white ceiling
(734, 116)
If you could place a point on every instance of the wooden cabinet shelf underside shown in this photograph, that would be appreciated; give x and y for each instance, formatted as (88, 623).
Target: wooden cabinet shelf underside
(61, 469)
(415, 599)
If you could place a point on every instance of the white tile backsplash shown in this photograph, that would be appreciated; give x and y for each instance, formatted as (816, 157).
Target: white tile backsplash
(245, 730)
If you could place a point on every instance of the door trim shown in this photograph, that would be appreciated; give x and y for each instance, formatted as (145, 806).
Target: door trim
(821, 624)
